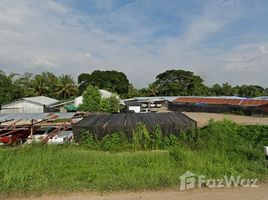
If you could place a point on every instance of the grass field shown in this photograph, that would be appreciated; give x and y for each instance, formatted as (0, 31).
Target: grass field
(221, 148)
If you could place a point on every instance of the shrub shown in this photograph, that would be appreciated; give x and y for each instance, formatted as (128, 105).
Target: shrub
(156, 138)
(114, 142)
(141, 138)
(169, 141)
(88, 140)
(178, 155)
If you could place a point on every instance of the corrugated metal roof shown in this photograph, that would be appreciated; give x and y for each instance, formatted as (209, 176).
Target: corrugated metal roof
(222, 101)
(262, 98)
(42, 100)
(133, 103)
(156, 98)
(34, 116)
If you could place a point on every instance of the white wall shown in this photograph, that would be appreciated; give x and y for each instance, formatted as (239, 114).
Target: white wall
(22, 106)
(136, 109)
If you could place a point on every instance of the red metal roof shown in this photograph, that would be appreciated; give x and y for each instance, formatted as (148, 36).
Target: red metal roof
(222, 101)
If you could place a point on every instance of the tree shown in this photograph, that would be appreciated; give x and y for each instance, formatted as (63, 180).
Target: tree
(152, 90)
(66, 87)
(216, 90)
(83, 81)
(104, 105)
(112, 81)
(45, 84)
(179, 82)
(114, 104)
(24, 85)
(250, 90)
(227, 89)
(91, 99)
(7, 89)
(256, 90)
(110, 104)
(133, 92)
(40, 86)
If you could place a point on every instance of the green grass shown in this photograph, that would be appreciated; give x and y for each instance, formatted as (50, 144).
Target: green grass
(222, 148)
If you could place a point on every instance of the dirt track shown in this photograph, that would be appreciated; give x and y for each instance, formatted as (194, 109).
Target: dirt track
(203, 118)
(260, 193)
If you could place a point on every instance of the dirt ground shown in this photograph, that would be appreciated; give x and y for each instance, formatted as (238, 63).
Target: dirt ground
(260, 193)
(203, 118)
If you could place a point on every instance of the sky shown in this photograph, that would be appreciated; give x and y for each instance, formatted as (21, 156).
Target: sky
(220, 40)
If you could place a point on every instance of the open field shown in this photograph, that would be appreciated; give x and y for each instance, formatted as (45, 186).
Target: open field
(260, 193)
(203, 118)
(221, 148)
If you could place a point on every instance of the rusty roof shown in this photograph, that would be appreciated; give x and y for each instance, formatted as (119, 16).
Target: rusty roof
(222, 101)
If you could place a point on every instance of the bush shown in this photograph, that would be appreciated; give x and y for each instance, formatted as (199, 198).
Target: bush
(141, 138)
(223, 137)
(178, 155)
(169, 141)
(156, 138)
(114, 142)
(89, 141)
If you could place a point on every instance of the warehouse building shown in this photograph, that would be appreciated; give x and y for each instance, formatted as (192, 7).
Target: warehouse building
(221, 105)
(28, 105)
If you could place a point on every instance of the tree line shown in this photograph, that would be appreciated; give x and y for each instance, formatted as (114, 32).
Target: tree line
(169, 83)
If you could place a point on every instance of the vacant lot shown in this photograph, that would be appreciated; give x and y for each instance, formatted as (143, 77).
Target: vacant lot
(203, 118)
(152, 163)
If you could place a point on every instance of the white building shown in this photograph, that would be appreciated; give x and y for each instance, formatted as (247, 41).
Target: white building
(28, 105)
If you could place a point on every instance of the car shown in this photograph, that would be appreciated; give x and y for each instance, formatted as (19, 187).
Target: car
(40, 134)
(61, 138)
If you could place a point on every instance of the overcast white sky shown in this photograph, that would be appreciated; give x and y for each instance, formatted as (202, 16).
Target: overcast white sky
(220, 40)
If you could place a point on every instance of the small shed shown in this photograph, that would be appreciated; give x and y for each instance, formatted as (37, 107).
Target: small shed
(103, 124)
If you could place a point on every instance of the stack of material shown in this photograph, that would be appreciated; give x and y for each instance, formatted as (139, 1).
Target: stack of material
(103, 124)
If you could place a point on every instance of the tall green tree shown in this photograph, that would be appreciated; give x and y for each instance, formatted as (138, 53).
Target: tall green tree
(112, 81)
(40, 86)
(216, 90)
(24, 84)
(91, 99)
(45, 84)
(83, 81)
(8, 91)
(152, 90)
(250, 91)
(180, 82)
(110, 105)
(114, 104)
(66, 87)
(133, 92)
(227, 89)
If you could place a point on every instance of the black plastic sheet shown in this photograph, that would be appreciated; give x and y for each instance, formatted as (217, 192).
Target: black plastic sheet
(103, 124)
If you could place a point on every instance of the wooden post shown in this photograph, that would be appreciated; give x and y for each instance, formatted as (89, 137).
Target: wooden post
(32, 125)
(266, 154)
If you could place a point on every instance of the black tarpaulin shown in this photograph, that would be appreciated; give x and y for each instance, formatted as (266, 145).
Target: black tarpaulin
(103, 124)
